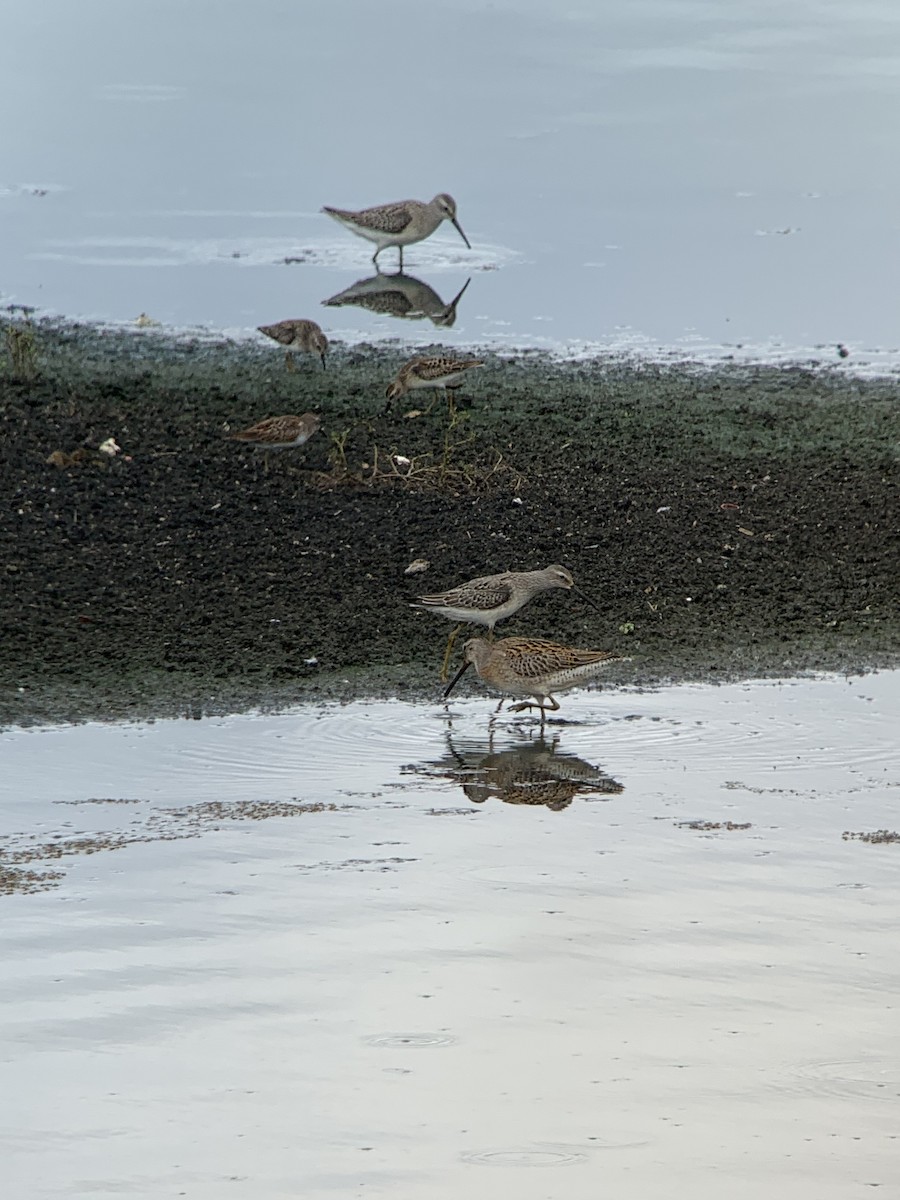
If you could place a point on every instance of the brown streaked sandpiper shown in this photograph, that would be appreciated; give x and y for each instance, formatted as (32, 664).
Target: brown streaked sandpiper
(435, 371)
(301, 334)
(532, 667)
(399, 224)
(492, 598)
(278, 433)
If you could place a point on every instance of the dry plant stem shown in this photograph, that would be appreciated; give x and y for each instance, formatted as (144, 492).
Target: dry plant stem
(337, 455)
(20, 347)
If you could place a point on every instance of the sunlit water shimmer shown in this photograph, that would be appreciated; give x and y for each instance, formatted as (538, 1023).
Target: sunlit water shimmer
(399, 950)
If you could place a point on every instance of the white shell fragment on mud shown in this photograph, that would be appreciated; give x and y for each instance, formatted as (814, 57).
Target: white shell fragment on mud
(417, 566)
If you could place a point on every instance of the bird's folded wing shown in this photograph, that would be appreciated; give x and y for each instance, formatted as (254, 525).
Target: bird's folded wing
(388, 218)
(480, 596)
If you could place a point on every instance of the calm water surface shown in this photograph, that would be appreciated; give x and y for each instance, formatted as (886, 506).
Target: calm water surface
(395, 951)
(675, 176)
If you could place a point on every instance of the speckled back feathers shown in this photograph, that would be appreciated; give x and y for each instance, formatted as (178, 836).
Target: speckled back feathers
(275, 433)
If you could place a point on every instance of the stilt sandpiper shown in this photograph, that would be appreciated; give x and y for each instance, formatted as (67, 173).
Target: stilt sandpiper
(278, 433)
(532, 667)
(433, 372)
(302, 335)
(493, 598)
(399, 224)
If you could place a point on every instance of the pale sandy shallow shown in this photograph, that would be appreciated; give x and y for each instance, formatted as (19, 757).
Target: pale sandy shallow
(415, 995)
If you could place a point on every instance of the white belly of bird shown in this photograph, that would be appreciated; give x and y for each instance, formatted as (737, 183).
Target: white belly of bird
(377, 236)
(298, 441)
(466, 616)
(441, 381)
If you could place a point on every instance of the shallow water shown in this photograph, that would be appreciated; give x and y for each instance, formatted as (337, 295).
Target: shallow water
(684, 176)
(393, 950)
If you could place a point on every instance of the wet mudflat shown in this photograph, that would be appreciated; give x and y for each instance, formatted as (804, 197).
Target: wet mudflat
(735, 521)
(385, 949)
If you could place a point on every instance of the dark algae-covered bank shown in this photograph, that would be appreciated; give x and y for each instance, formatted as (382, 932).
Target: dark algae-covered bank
(729, 521)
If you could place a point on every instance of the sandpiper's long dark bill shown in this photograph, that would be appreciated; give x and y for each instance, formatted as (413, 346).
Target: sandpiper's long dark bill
(467, 662)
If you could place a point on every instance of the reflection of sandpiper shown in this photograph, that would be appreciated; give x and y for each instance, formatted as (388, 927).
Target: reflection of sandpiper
(399, 296)
(532, 773)
(399, 224)
(302, 335)
(532, 667)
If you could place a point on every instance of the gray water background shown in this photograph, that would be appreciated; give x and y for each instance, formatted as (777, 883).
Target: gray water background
(656, 176)
(412, 989)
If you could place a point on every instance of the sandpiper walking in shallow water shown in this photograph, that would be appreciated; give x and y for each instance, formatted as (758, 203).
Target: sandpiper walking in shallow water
(278, 433)
(532, 667)
(399, 224)
(302, 335)
(492, 598)
(434, 372)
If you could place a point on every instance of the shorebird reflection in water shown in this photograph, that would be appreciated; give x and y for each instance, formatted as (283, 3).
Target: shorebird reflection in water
(532, 667)
(399, 224)
(492, 598)
(401, 296)
(532, 772)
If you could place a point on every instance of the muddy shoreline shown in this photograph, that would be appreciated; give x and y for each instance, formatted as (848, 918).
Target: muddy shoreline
(731, 522)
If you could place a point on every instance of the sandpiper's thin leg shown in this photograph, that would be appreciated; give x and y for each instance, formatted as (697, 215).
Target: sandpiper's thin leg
(499, 706)
(522, 705)
(445, 666)
(553, 702)
(400, 248)
(289, 361)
